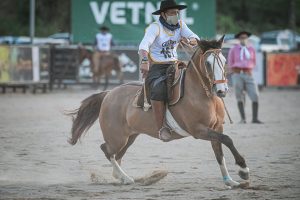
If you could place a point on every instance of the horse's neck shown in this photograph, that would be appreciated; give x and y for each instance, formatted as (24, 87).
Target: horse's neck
(194, 85)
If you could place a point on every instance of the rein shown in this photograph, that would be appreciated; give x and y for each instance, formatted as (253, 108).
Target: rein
(217, 59)
(208, 93)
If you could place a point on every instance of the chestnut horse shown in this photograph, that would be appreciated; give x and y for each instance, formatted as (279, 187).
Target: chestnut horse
(107, 63)
(200, 113)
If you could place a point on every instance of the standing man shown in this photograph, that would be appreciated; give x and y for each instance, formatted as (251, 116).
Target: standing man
(241, 61)
(158, 51)
(103, 43)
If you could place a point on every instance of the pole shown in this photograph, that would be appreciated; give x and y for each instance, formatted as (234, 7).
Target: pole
(231, 122)
(32, 20)
(292, 21)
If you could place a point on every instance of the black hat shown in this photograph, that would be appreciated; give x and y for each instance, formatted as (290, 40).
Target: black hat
(241, 33)
(104, 28)
(168, 4)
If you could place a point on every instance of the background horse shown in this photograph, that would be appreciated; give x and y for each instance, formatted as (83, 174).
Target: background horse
(107, 64)
(200, 113)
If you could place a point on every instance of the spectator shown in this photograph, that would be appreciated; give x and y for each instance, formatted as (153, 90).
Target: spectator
(241, 61)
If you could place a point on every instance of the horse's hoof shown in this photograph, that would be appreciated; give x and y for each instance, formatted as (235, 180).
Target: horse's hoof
(244, 173)
(244, 185)
(231, 183)
(228, 187)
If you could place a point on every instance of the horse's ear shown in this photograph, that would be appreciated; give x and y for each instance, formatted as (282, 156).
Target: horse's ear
(221, 40)
(198, 42)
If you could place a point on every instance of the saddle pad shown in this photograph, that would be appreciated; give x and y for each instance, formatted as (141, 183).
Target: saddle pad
(171, 122)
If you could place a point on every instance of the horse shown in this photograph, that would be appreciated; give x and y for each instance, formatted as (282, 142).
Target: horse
(200, 112)
(107, 63)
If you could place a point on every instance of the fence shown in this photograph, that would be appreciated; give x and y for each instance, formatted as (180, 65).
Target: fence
(26, 66)
(43, 66)
(64, 62)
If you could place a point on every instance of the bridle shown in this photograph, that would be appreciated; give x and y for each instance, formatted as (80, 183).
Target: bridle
(217, 59)
(216, 55)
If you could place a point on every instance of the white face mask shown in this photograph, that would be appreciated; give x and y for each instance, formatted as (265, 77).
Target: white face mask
(173, 20)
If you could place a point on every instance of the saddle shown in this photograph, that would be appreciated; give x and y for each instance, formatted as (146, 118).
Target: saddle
(175, 88)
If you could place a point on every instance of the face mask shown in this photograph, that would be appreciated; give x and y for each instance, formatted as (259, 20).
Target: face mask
(173, 20)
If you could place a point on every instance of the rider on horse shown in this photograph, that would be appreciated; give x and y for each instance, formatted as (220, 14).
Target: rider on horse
(158, 51)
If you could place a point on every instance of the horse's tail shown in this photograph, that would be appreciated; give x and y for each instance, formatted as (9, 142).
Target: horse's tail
(85, 116)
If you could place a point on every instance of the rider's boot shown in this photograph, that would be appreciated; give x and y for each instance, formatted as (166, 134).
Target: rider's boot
(242, 112)
(159, 110)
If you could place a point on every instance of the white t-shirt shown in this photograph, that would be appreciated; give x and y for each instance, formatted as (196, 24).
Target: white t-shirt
(103, 41)
(161, 44)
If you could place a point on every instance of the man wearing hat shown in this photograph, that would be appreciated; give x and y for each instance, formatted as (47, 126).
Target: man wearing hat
(158, 51)
(241, 61)
(103, 43)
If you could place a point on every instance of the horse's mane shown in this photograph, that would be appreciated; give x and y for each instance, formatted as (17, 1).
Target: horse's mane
(210, 44)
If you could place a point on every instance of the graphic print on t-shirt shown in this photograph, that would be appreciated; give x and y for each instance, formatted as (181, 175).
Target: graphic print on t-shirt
(167, 48)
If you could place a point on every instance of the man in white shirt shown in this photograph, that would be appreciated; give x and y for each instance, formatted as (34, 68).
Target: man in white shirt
(158, 51)
(103, 43)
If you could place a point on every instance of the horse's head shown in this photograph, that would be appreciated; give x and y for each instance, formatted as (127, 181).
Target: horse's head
(213, 63)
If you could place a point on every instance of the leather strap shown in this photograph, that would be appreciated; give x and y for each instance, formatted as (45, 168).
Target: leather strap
(220, 81)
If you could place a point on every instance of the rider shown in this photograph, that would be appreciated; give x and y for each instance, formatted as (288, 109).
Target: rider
(157, 52)
(103, 43)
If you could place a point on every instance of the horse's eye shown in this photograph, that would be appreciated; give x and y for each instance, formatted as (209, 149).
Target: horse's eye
(207, 63)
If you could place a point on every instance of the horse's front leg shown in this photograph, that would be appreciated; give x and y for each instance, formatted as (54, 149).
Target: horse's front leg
(106, 81)
(217, 139)
(217, 147)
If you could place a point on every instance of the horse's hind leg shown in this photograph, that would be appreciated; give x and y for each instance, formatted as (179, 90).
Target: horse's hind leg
(130, 141)
(111, 156)
(121, 153)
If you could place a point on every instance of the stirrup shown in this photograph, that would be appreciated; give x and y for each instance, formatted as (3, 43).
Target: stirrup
(160, 134)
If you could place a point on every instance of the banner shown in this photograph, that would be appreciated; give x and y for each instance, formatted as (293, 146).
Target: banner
(283, 69)
(24, 64)
(127, 19)
(4, 64)
(21, 64)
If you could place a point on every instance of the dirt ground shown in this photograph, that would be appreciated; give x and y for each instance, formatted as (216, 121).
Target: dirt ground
(36, 162)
